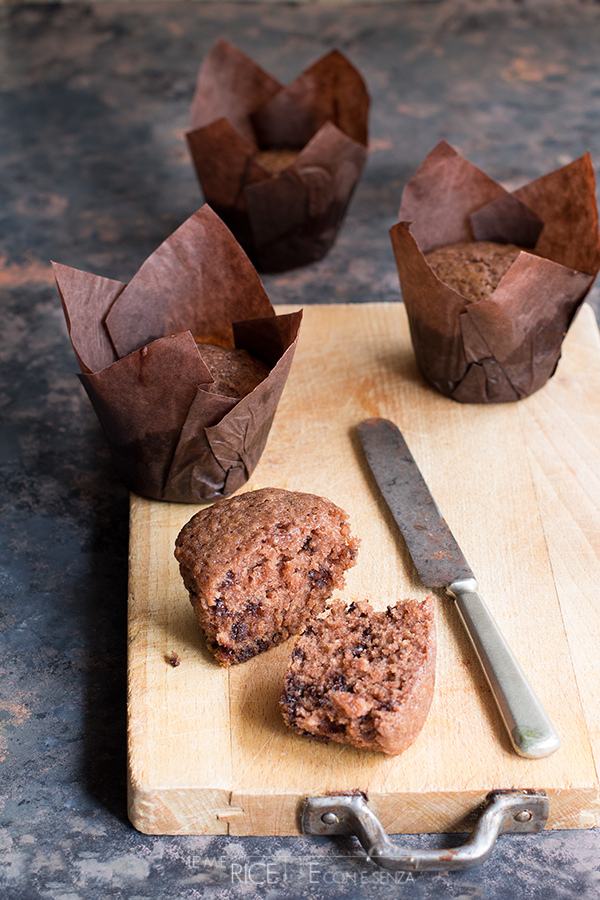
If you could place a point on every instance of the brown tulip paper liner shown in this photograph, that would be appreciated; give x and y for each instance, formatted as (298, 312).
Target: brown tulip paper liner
(170, 438)
(507, 346)
(292, 218)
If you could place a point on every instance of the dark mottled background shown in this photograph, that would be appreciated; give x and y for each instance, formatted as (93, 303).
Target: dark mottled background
(94, 173)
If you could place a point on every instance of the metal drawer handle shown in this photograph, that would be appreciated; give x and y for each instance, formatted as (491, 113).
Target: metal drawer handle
(504, 811)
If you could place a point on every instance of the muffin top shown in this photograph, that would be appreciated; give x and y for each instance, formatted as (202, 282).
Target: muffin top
(275, 161)
(236, 372)
(473, 268)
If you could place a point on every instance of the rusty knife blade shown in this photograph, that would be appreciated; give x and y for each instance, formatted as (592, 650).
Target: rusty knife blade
(440, 563)
(432, 546)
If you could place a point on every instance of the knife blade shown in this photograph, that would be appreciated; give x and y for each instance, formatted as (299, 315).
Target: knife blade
(441, 563)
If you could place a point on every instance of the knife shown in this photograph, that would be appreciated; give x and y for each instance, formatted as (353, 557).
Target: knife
(440, 563)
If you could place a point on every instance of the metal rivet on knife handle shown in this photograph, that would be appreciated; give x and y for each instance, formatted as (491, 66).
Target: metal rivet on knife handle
(440, 563)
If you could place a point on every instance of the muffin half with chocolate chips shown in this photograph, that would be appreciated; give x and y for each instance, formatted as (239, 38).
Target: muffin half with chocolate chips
(259, 566)
(362, 677)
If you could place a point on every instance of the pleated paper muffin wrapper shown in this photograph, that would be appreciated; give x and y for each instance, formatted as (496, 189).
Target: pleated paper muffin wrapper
(507, 346)
(292, 218)
(171, 439)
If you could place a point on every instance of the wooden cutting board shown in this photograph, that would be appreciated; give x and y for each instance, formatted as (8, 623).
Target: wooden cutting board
(519, 485)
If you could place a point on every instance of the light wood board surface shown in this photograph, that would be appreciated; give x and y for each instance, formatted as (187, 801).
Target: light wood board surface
(519, 485)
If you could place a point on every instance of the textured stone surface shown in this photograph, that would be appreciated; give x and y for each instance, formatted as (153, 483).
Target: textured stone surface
(95, 174)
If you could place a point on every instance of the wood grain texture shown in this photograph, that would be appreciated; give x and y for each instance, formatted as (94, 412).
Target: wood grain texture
(519, 485)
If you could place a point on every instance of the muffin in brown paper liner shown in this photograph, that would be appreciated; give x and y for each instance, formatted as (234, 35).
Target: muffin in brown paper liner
(287, 218)
(506, 346)
(170, 437)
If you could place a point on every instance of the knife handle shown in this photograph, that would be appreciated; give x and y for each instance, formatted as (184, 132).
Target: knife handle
(530, 730)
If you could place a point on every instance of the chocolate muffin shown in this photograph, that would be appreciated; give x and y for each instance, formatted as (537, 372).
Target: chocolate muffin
(236, 372)
(361, 677)
(473, 268)
(260, 565)
(275, 161)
